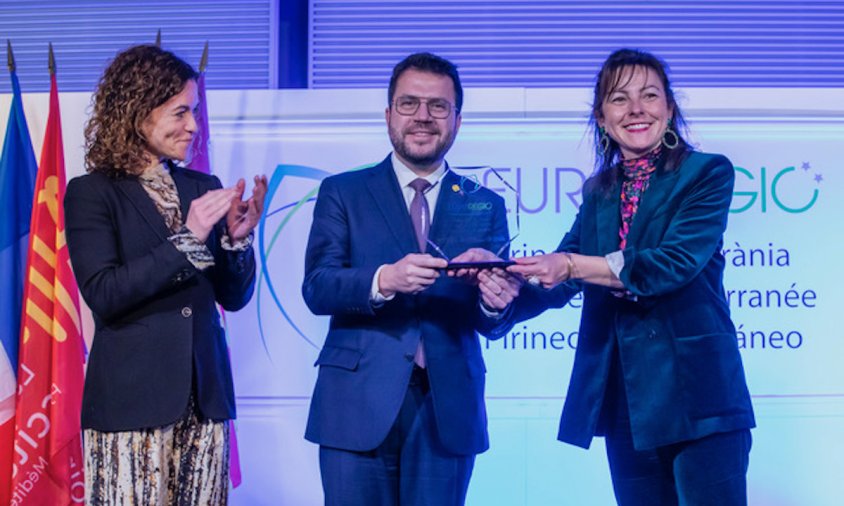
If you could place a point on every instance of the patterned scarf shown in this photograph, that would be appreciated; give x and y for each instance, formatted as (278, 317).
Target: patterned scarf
(160, 187)
(637, 174)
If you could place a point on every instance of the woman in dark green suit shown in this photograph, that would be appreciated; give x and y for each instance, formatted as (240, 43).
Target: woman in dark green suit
(657, 370)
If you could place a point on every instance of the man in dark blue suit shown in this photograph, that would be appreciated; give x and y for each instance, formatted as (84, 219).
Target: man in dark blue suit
(398, 408)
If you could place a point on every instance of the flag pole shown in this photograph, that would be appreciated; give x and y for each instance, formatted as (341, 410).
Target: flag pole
(10, 56)
(51, 60)
(203, 62)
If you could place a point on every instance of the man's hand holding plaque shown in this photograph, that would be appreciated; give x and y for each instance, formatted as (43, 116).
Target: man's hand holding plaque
(498, 288)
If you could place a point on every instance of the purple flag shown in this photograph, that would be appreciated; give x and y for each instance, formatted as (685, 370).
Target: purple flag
(199, 158)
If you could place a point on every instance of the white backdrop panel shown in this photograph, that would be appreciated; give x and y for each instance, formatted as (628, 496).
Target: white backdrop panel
(783, 248)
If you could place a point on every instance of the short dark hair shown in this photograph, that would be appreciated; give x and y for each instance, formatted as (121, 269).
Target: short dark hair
(609, 79)
(428, 62)
(136, 81)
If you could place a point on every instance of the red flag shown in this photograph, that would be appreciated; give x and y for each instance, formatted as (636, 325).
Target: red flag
(48, 467)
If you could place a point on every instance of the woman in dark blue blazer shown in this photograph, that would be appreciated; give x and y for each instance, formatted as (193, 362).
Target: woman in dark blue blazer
(657, 369)
(154, 248)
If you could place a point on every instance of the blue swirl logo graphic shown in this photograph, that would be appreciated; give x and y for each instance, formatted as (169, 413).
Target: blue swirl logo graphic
(268, 238)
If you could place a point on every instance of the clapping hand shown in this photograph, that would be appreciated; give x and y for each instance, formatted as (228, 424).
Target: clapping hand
(205, 211)
(243, 215)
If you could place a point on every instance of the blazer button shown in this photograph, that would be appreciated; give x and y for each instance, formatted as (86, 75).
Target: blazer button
(409, 356)
(187, 312)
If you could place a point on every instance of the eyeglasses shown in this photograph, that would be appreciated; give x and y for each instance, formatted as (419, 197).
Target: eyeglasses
(437, 107)
(470, 184)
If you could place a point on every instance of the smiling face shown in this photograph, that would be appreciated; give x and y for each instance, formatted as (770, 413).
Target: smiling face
(420, 140)
(170, 127)
(636, 113)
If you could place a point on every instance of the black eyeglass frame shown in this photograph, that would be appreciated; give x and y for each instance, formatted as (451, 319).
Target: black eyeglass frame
(427, 102)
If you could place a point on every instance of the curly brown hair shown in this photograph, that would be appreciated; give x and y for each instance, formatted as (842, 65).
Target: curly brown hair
(137, 81)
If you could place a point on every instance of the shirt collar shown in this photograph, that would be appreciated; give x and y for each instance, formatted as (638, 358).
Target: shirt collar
(405, 175)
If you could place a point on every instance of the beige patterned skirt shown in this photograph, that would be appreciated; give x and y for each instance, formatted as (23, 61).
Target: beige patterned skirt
(183, 464)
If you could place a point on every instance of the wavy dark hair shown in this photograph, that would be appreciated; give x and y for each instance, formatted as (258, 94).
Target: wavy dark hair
(428, 62)
(137, 81)
(614, 75)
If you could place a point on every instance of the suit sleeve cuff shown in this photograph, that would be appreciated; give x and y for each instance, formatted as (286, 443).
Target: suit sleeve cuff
(489, 312)
(616, 262)
(195, 250)
(239, 245)
(376, 298)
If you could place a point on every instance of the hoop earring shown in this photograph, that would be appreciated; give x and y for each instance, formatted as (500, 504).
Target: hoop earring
(670, 144)
(604, 141)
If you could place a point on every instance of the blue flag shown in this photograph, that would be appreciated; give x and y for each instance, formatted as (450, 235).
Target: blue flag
(18, 169)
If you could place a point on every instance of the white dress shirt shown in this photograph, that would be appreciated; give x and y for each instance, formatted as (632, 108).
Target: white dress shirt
(405, 176)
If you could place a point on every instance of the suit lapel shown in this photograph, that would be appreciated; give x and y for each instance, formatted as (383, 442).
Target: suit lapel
(660, 186)
(387, 195)
(609, 219)
(134, 192)
(186, 188)
(447, 201)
